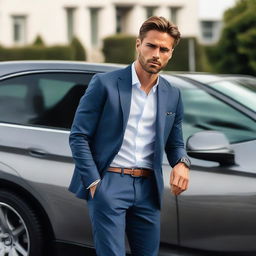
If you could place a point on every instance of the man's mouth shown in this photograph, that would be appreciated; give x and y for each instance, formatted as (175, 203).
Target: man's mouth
(154, 63)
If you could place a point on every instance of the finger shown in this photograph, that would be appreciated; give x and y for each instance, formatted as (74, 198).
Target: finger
(175, 190)
(178, 190)
(176, 180)
(184, 184)
(181, 182)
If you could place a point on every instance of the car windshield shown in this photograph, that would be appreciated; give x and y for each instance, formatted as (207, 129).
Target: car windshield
(242, 90)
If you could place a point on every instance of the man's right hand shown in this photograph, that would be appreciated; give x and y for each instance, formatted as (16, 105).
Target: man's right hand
(92, 190)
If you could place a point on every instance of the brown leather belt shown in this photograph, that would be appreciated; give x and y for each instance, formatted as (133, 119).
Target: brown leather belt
(134, 172)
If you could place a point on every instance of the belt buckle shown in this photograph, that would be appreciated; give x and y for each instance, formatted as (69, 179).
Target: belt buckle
(133, 173)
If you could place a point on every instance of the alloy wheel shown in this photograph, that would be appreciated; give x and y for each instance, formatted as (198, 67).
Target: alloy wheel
(14, 236)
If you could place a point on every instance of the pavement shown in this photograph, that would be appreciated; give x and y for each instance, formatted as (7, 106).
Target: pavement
(171, 251)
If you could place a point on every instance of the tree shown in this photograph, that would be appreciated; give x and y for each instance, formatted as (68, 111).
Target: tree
(235, 51)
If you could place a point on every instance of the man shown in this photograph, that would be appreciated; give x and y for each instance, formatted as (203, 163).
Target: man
(122, 125)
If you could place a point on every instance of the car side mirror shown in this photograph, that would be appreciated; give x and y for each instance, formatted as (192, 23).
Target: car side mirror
(211, 146)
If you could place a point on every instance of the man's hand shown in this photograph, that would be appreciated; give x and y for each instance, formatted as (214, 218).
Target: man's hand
(179, 178)
(92, 190)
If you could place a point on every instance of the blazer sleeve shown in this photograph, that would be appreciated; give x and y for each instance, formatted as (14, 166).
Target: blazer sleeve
(83, 128)
(174, 147)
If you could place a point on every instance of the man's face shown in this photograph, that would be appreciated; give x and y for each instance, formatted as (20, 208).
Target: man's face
(154, 51)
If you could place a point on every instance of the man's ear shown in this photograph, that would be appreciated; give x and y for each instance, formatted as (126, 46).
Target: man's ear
(171, 53)
(138, 43)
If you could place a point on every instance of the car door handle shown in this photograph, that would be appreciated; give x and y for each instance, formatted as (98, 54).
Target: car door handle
(37, 152)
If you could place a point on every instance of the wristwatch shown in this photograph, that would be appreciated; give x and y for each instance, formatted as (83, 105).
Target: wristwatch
(186, 161)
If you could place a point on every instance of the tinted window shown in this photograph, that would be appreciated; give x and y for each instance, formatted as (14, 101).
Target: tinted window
(42, 99)
(202, 111)
(205, 112)
(243, 90)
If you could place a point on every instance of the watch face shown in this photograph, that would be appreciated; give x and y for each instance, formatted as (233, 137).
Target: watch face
(185, 161)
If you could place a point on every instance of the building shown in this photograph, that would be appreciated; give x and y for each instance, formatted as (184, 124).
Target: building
(91, 21)
(210, 19)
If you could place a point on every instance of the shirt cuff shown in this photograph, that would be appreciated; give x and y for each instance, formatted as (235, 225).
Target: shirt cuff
(93, 184)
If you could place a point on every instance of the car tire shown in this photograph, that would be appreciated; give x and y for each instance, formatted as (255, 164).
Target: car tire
(20, 229)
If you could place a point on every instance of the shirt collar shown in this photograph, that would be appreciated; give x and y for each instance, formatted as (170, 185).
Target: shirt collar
(136, 81)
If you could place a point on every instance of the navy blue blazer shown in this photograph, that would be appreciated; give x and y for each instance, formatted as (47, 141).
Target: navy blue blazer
(99, 124)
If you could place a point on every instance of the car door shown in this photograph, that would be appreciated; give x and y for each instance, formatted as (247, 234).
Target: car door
(36, 113)
(217, 212)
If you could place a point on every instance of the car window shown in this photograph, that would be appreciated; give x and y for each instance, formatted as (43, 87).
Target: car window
(17, 91)
(202, 111)
(13, 102)
(45, 99)
(205, 112)
(54, 90)
(241, 90)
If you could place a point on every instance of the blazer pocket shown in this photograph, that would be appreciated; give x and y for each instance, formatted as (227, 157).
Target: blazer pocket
(169, 120)
(170, 113)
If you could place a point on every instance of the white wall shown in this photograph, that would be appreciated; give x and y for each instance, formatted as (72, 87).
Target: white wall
(213, 10)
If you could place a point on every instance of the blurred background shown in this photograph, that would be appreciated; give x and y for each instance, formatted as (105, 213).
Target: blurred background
(217, 36)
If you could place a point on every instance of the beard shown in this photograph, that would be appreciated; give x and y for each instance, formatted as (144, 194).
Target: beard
(152, 66)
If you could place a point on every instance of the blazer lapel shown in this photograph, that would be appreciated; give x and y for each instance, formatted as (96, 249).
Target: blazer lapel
(162, 97)
(124, 85)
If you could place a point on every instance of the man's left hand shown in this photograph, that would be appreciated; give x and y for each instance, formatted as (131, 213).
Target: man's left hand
(179, 178)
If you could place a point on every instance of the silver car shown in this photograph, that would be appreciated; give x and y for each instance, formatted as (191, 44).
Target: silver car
(38, 216)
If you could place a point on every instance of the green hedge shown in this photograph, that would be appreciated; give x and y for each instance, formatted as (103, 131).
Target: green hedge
(39, 41)
(38, 51)
(79, 52)
(119, 48)
(180, 58)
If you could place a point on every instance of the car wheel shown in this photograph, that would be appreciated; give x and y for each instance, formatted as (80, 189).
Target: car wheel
(20, 229)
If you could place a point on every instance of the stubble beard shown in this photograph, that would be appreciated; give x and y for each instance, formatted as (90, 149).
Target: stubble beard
(145, 64)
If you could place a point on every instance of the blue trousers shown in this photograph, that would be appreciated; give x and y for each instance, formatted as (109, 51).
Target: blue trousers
(125, 204)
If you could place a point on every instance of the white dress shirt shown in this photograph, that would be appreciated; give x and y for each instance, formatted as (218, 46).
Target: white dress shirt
(137, 149)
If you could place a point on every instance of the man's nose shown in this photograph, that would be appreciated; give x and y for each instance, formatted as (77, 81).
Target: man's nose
(156, 53)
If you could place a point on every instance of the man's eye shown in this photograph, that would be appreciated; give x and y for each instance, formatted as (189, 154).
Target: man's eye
(164, 50)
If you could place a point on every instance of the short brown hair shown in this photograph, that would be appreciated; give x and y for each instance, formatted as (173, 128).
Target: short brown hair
(162, 25)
